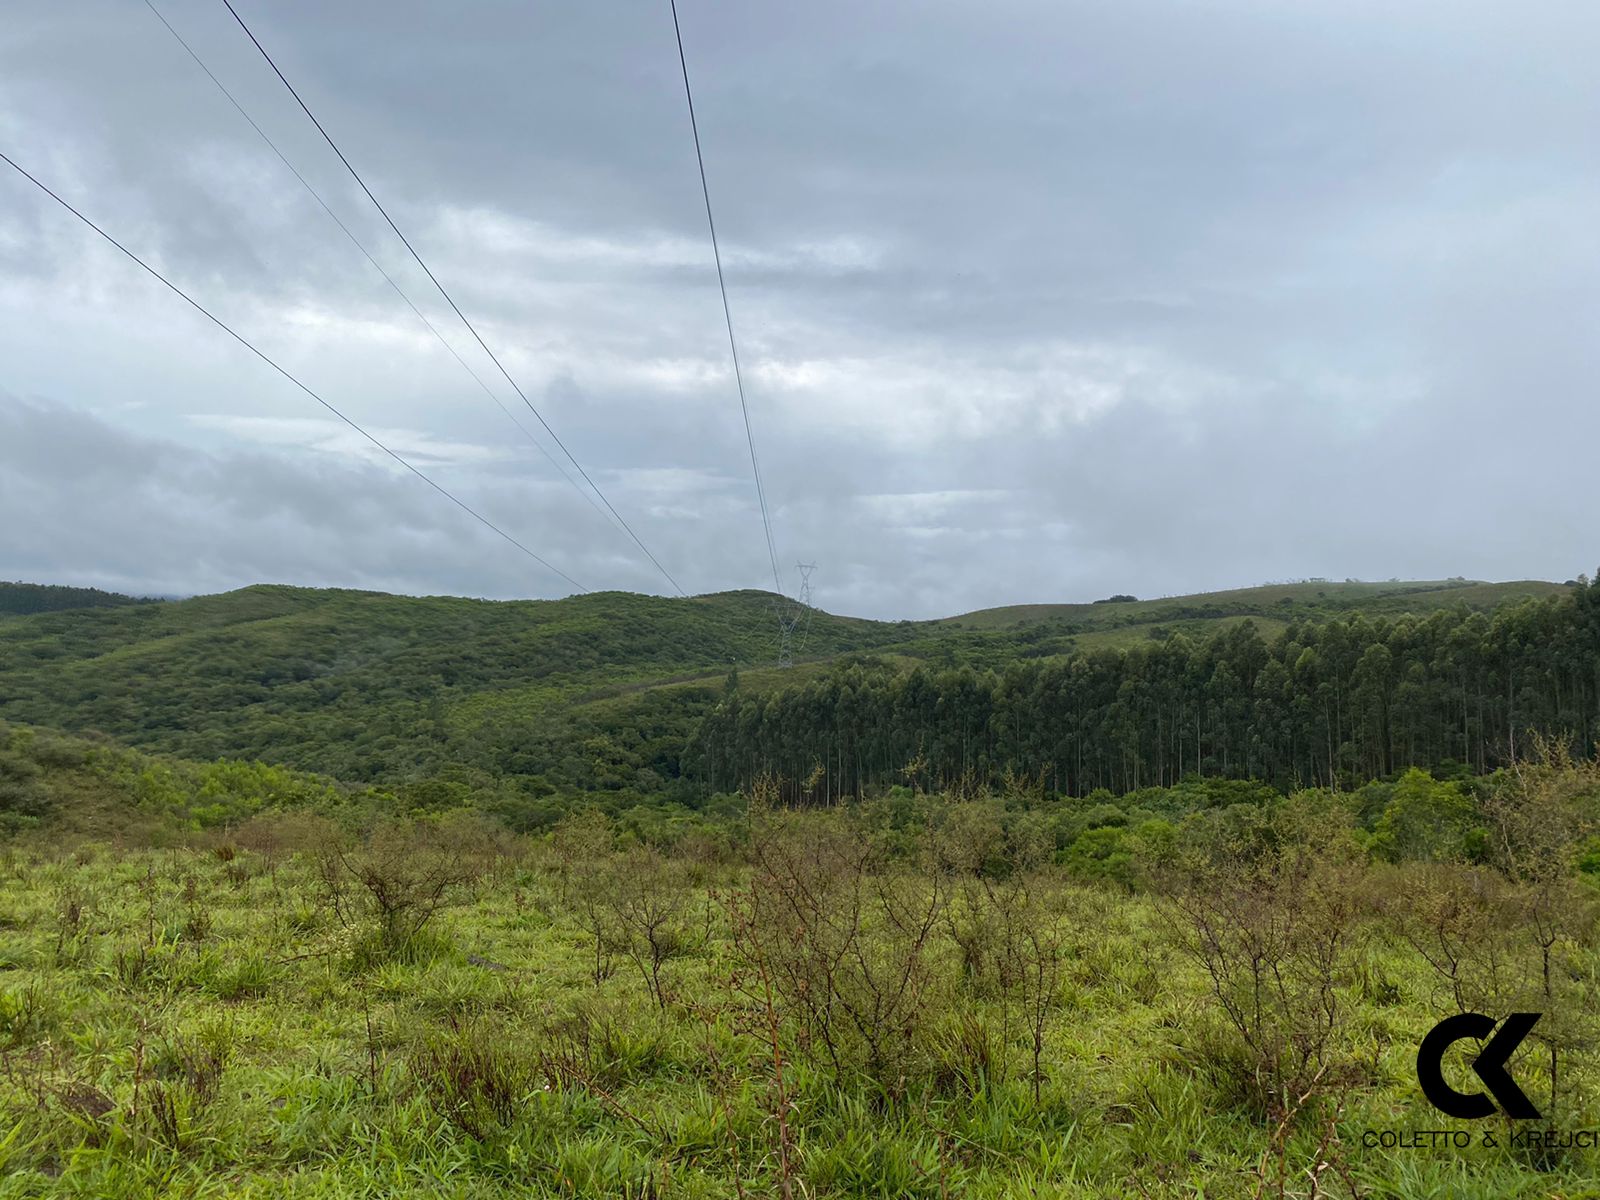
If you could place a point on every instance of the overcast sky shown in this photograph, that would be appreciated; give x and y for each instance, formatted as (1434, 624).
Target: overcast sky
(1035, 301)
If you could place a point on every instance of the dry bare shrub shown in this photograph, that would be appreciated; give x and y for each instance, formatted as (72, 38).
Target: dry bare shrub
(406, 873)
(273, 837)
(1008, 924)
(968, 847)
(707, 854)
(1037, 929)
(1541, 812)
(974, 922)
(647, 901)
(844, 940)
(1276, 924)
(580, 855)
(1540, 817)
(1276, 914)
(1462, 921)
(593, 908)
(481, 841)
(577, 843)
(633, 903)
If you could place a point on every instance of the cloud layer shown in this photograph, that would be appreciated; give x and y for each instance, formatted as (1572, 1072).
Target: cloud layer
(1035, 301)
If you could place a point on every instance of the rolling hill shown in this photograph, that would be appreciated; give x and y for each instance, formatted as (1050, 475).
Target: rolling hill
(447, 696)
(1320, 597)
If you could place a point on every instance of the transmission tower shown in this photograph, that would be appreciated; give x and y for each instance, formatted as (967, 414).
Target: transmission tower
(794, 616)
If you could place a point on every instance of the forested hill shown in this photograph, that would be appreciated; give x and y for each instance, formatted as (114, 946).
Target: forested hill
(38, 597)
(365, 686)
(530, 701)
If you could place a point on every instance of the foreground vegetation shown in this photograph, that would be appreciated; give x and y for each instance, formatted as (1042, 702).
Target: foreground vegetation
(1214, 992)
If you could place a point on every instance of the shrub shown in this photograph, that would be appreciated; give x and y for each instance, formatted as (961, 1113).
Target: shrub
(1277, 933)
(1425, 820)
(473, 1078)
(845, 940)
(406, 872)
(647, 900)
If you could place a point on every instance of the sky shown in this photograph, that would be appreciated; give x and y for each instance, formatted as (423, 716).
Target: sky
(1034, 301)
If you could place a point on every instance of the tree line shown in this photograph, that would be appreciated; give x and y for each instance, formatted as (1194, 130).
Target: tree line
(1325, 704)
(24, 598)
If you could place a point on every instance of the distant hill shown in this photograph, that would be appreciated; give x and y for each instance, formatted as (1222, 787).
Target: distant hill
(530, 699)
(1320, 598)
(22, 598)
(367, 686)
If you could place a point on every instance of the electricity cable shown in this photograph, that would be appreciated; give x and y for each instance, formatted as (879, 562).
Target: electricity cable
(248, 345)
(727, 314)
(354, 174)
(356, 242)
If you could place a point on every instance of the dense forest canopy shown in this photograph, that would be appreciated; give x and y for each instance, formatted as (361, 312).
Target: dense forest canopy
(38, 597)
(1321, 704)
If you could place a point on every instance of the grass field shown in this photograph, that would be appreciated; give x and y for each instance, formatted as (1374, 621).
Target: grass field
(240, 1016)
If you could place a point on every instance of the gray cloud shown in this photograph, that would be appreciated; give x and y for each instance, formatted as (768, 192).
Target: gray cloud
(1037, 301)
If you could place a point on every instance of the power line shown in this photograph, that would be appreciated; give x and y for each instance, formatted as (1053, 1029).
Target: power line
(354, 174)
(727, 314)
(227, 329)
(356, 242)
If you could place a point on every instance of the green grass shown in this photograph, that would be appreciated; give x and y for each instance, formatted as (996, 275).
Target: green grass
(321, 1088)
(188, 1007)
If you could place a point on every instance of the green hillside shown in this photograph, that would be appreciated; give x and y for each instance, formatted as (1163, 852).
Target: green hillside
(1317, 598)
(530, 701)
(365, 685)
(88, 787)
